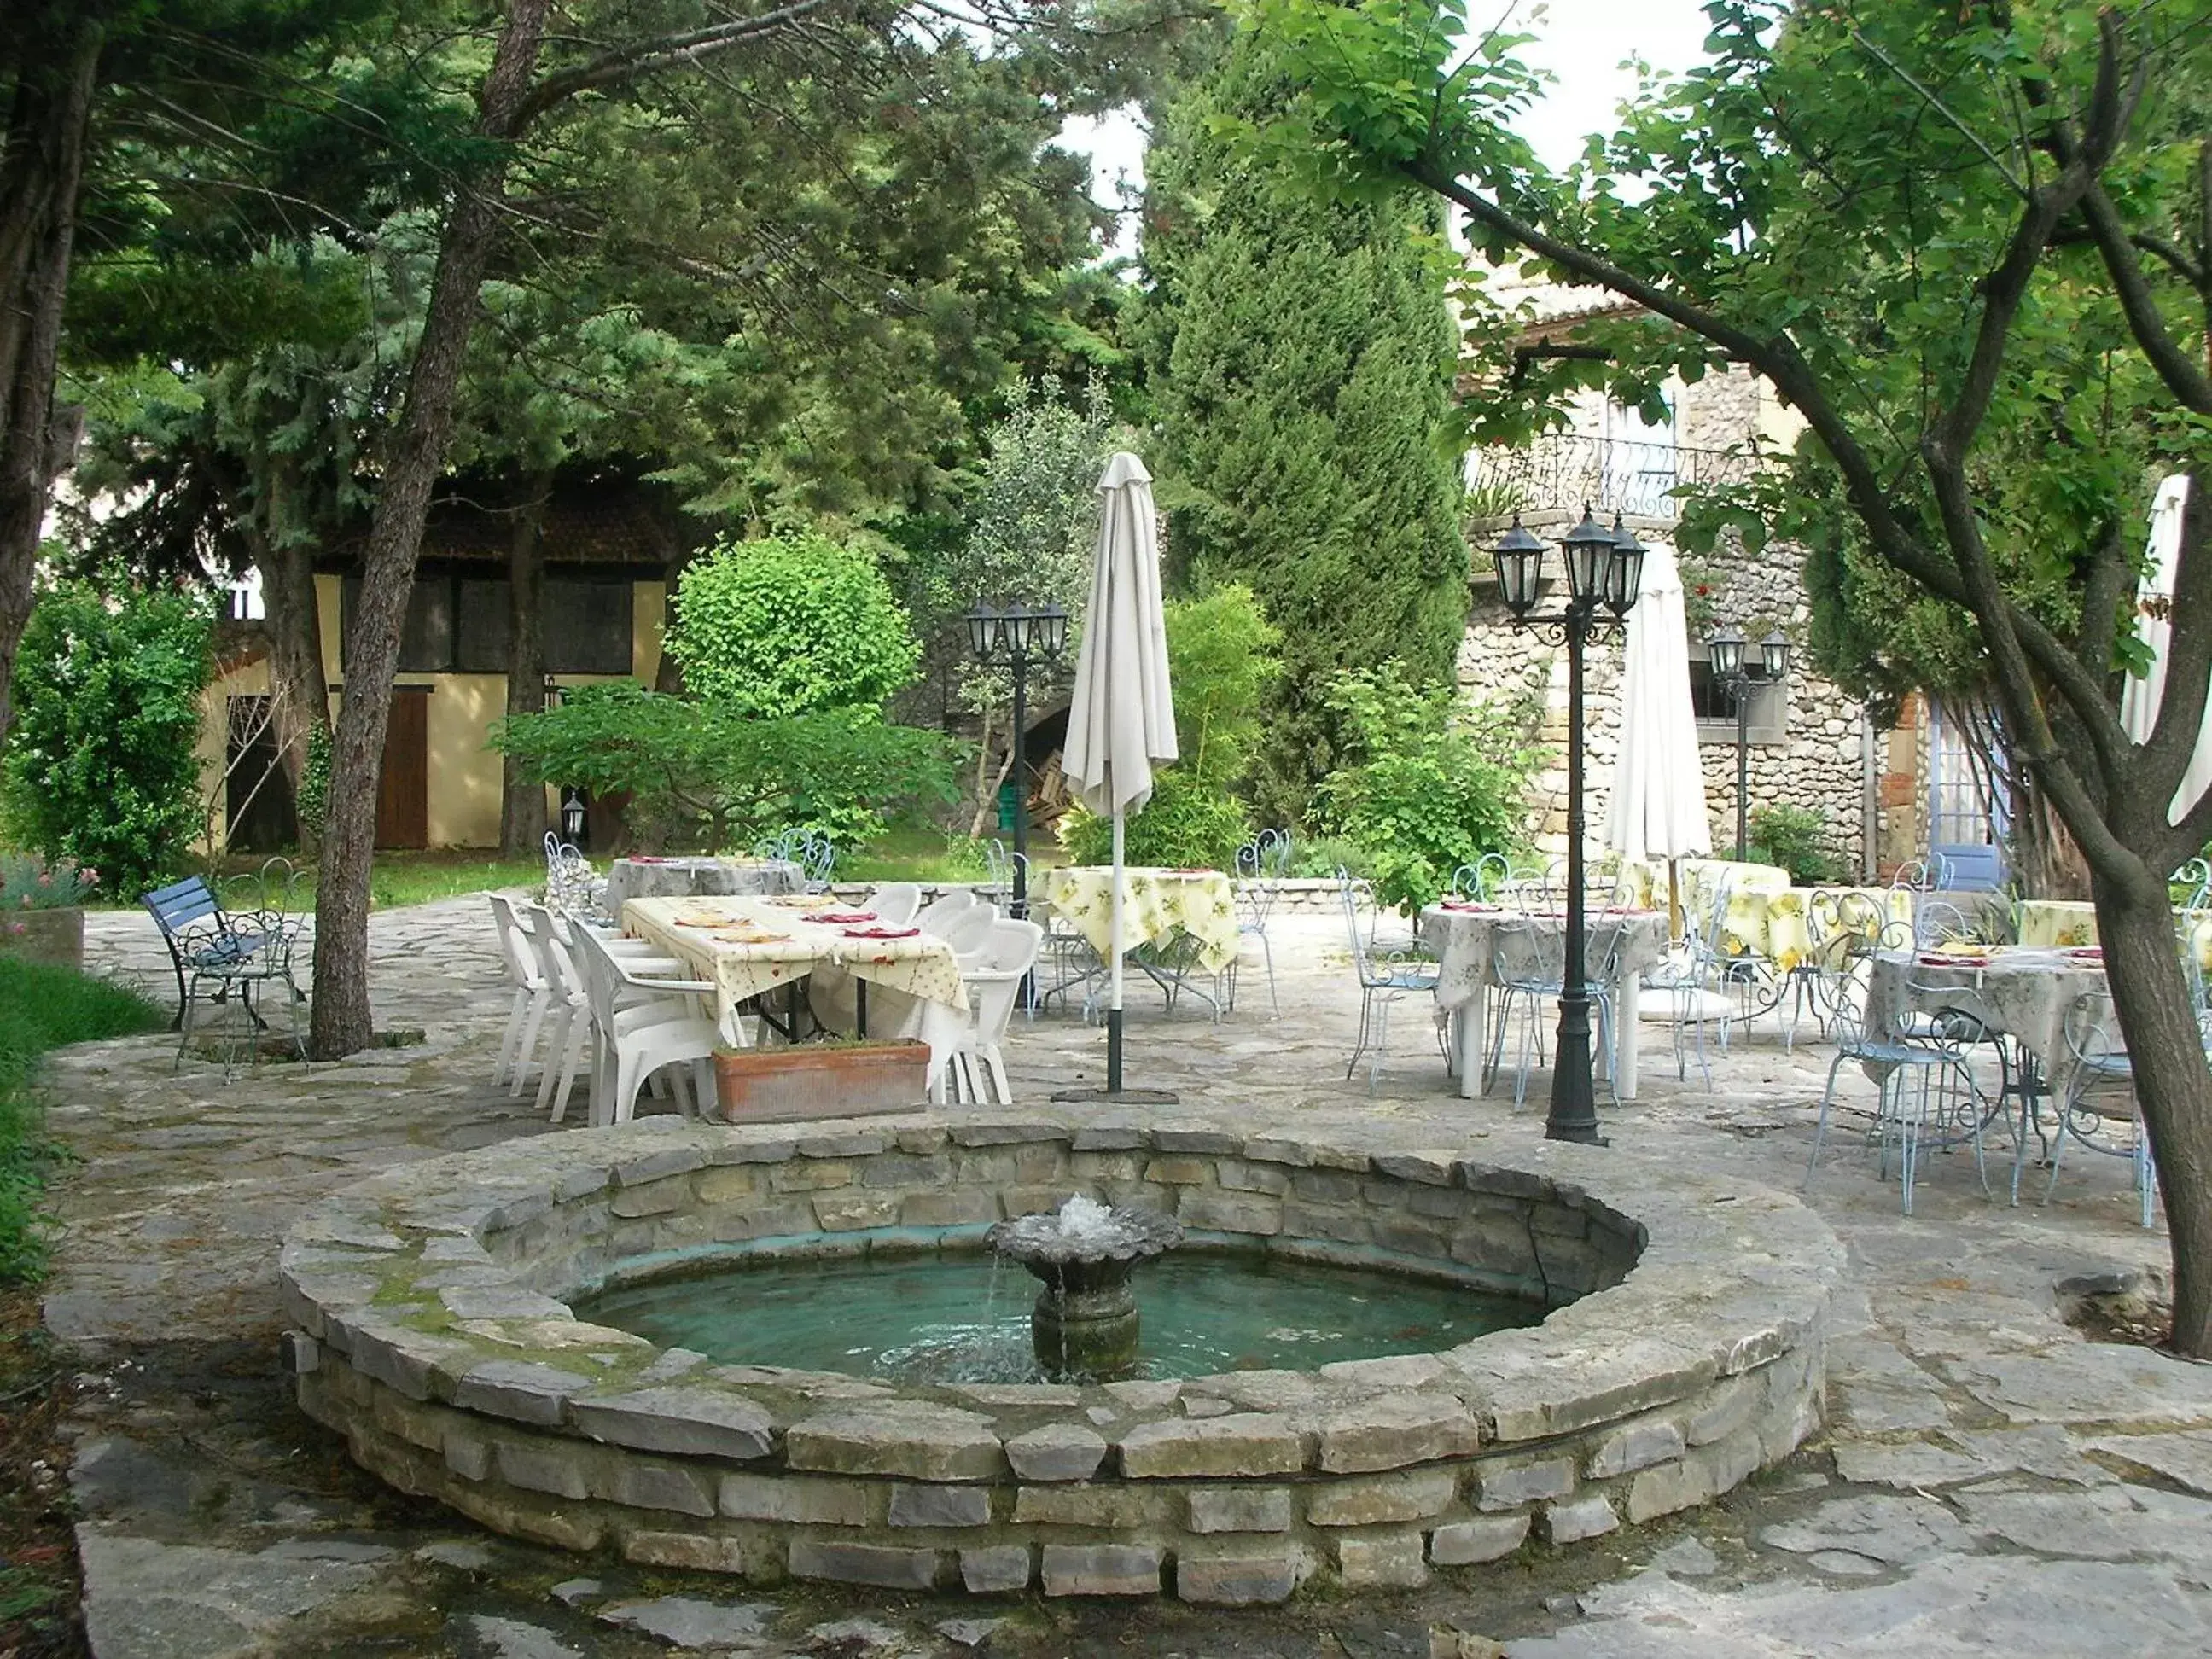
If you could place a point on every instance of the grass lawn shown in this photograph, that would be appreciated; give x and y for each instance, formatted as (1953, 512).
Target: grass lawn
(907, 853)
(41, 1007)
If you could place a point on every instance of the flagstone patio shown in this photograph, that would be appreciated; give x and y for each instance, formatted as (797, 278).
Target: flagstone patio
(1988, 1479)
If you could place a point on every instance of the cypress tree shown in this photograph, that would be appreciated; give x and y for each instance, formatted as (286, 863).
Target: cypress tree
(1304, 356)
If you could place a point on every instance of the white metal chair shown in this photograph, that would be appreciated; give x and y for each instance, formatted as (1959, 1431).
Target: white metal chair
(1261, 865)
(2100, 1097)
(1384, 977)
(1926, 1091)
(977, 1069)
(895, 903)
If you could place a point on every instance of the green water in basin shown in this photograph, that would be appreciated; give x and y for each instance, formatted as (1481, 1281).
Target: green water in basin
(964, 1317)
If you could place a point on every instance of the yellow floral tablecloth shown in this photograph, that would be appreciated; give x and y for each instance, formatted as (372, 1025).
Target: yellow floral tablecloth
(1156, 905)
(2069, 921)
(1766, 915)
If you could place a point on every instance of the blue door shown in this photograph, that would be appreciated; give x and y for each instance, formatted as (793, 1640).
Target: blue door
(1964, 821)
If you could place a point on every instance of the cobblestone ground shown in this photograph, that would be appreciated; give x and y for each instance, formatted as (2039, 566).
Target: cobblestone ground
(1989, 1481)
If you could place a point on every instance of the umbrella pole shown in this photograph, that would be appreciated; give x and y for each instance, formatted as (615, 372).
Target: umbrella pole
(1673, 901)
(1114, 970)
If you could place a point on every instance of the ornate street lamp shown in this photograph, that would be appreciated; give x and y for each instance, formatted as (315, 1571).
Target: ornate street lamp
(1019, 635)
(1726, 649)
(1604, 569)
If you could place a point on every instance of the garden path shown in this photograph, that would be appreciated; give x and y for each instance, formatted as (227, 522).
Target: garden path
(1988, 1480)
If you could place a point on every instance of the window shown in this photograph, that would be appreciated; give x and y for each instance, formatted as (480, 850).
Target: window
(1714, 707)
(458, 625)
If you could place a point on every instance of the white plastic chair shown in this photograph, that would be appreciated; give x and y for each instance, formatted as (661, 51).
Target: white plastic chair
(568, 1000)
(663, 1028)
(967, 932)
(896, 903)
(977, 1069)
(533, 996)
(936, 915)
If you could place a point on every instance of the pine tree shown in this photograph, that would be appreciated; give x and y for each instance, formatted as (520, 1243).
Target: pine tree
(1304, 355)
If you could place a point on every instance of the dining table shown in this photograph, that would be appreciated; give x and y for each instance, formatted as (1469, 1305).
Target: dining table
(644, 876)
(2072, 922)
(1477, 946)
(1176, 922)
(843, 964)
(2020, 992)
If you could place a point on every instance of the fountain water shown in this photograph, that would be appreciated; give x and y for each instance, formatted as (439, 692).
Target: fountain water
(1085, 1324)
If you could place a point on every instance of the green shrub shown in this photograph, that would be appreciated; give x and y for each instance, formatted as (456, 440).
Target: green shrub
(1798, 839)
(1431, 786)
(41, 1007)
(101, 767)
(701, 775)
(1221, 666)
(788, 626)
(314, 803)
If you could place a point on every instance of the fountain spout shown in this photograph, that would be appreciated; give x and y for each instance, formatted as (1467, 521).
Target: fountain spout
(1084, 1325)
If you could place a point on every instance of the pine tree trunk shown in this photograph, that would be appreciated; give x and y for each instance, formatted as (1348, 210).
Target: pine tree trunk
(2173, 1084)
(342, 1021)
(299, 693)
(522, 803)
(41, 165)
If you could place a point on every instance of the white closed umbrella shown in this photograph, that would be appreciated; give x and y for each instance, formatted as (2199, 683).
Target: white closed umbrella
(1657, 806)
(2140, 698)
(1121, 720)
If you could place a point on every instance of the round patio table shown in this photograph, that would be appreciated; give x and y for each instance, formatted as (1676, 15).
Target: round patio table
(699, 877)
(1468, 940)
(2020, 991)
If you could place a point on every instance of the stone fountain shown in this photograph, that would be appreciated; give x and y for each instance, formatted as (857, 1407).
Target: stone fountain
(1085, 1326)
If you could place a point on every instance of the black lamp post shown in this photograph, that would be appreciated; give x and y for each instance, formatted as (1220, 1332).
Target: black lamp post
(1730, 666)
(1605, 567)
(1020, 635)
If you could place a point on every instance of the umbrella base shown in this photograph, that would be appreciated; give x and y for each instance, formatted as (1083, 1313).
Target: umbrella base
(1122, 1097)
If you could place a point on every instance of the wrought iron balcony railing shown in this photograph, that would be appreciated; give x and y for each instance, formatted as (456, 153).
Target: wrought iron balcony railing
(1562, 471)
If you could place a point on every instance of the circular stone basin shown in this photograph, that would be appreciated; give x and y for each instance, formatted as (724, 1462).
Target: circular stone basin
(955, 1316)
(436, 1329)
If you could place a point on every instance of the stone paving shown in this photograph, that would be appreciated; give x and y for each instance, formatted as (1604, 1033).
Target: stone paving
(1988, 1480)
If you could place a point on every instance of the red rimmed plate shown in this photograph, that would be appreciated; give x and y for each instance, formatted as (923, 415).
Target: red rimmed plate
(1469, 907)
(882, 933)
(1931, 959)
(845, 917)
(2091, 953)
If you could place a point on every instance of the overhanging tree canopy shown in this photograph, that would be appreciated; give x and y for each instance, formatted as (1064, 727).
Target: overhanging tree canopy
(1931, 228)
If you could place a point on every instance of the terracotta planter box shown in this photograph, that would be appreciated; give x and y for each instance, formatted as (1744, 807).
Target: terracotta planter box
(55, 936)
(811, 1080)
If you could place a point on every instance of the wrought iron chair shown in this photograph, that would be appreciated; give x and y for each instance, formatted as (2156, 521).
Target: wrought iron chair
(1922, 1083)
(1484, 879)
(1533, 991)
(2100, 1097)
(269, 907)
(1261, 865)
(811, 850)
(573, 887)
(1384, 976)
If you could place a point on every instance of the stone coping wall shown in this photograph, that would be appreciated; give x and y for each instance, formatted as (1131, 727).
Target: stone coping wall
(433, 1332)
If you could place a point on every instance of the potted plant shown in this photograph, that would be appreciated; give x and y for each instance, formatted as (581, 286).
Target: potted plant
(837, 1079)
(42, 909)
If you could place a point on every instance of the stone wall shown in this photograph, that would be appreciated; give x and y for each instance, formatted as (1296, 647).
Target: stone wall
(1816, 762)
(434, 1333)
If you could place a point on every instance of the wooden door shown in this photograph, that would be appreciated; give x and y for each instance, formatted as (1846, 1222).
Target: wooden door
(402, 794)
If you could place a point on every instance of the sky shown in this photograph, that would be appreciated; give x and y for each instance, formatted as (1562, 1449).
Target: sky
(1582, 43)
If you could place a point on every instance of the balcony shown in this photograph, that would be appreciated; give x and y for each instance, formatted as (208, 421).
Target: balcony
(1561, 470)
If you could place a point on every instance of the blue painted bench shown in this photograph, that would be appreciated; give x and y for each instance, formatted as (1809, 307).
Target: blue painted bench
(200, 934)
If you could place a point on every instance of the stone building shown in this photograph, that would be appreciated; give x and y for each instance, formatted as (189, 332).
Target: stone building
(1810, 745)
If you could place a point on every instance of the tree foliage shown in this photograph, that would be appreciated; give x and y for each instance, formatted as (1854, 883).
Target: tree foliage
(788, 625)
(1971, 246)
(101, 765)
(1222, 671)
(1427, 784)
(704, 775)
(1303, 353)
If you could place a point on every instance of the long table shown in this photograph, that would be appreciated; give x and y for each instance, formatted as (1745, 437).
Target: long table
(749, 947)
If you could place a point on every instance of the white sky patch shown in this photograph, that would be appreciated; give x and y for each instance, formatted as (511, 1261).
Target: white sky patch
(1582, 43)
